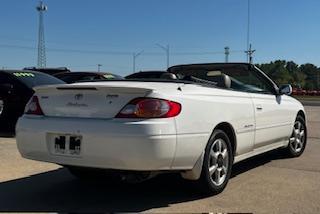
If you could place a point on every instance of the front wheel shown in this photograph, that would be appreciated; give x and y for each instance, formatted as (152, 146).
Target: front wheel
(298, 139)
(217, 164)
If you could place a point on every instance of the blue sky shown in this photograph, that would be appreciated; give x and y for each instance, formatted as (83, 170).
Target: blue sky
(83, 33)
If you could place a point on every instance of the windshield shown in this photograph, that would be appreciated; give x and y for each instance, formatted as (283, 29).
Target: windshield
(228, 76)
(32, 79)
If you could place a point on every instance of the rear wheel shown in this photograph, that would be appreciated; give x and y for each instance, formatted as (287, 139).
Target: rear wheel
(217, 164)
(298, 139)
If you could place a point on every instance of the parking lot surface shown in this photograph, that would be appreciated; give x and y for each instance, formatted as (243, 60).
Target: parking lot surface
(267, 183)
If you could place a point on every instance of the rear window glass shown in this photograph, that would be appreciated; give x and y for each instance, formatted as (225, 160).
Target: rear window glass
(145, 75)
(68, 78)
(36, 79)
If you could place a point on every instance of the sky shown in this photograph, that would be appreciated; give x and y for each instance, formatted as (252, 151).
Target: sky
(80, 34)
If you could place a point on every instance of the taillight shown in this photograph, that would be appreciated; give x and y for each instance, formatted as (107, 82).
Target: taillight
(150, 108)
(33, 107)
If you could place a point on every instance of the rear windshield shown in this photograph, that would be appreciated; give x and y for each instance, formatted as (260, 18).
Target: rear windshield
(145, 75)
(32, 79)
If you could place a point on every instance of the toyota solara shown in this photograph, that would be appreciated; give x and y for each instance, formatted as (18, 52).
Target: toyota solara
(198, 121)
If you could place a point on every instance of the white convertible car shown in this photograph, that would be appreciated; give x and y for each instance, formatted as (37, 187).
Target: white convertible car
(197, 120)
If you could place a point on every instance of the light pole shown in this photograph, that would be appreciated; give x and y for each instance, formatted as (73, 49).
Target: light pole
(167, 50)
(227, 52)
(135, 55)
(99, 65)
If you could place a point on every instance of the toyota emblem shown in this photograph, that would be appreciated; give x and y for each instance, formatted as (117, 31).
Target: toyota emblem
(78, 96)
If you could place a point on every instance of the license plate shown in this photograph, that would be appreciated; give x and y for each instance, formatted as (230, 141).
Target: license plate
(67, 145)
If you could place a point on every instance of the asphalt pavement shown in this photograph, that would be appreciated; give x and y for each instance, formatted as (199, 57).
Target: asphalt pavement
(268, 183)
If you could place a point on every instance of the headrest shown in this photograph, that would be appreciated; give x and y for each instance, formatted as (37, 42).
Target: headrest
(169, 76)
(223, 81)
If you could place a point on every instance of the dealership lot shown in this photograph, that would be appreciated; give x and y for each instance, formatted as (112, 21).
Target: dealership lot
(268, 183)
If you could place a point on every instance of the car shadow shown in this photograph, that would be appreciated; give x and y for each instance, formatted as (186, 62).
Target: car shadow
(7, 134)
(59, 191)
(257, 161)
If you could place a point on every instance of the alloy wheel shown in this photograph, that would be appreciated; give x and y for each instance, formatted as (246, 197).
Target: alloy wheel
(218, 161)
(297, 138)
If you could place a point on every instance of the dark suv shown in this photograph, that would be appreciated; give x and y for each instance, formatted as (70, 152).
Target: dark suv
(16, 88)
(50, 71)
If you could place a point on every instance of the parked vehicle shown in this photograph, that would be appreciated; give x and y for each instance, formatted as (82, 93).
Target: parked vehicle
(72, 77)
(151, 75)
(50, 71)
(213, 116)
(312, 92)
(299, 92)
(15, 91)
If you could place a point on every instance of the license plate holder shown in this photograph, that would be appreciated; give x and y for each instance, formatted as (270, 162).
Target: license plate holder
(68, 145)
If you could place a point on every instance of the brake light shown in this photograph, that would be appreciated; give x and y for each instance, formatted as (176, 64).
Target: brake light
(33, 107)
(150, 108)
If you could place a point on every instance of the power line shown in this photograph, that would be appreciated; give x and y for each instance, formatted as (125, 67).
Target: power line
(123, 53)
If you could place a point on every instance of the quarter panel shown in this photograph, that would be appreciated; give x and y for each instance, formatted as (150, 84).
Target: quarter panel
(203, 108)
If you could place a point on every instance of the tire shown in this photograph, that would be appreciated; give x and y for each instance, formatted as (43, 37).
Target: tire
(217, 163)
(298, 139)
(1, 106)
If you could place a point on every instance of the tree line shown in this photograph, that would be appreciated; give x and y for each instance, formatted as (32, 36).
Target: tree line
(306, 76)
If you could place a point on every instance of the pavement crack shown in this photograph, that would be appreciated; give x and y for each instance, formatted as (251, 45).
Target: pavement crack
(305, 170)
(314, 138)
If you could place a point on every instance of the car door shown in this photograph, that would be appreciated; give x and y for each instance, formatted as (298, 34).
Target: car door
(273, 119)
(272, 114)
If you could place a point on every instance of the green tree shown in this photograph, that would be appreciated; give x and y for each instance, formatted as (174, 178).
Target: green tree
(311, 72)
(302, 76)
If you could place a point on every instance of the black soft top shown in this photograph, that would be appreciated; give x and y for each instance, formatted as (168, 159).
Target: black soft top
(208, 66)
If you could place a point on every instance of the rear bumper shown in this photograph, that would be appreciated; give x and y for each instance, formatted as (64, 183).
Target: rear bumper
(108, 144)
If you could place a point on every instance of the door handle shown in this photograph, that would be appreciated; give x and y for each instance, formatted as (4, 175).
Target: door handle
(259, 107)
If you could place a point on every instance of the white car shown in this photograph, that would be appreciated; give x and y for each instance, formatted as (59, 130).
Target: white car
(199, 122)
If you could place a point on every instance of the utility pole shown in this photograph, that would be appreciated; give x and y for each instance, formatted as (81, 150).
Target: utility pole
(41, 8)
(248, 29)
(249, 53)
(249, 50)
(135, 55)
(318, 79)
(167, 50)
(99, 66)
(227, 52)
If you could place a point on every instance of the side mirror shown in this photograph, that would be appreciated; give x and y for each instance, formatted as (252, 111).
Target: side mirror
(285, 89)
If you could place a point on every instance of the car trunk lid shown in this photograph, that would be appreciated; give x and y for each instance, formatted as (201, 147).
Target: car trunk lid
(87, 101)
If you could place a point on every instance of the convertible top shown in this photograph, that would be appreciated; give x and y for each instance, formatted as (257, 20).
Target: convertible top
(209, 66)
